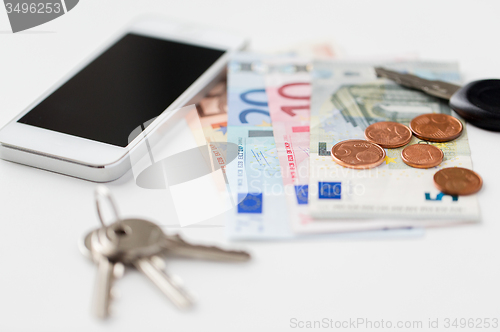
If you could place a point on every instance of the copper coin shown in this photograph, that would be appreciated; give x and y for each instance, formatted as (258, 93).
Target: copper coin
(358, 154)
(458, 181)
(422, 155)
(436, 127)
(387, 134)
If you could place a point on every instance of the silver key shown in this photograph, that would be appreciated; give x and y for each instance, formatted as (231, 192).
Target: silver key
(107, 272)
(175, 244)
(138, 242)
(105, 266)
(126, 242)
(170, 287)
(103, 285)
(135, 241)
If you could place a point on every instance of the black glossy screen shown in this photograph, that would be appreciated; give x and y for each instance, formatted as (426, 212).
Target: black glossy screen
(133, 81)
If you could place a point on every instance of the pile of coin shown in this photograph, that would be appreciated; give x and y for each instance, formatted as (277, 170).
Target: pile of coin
(433, 127)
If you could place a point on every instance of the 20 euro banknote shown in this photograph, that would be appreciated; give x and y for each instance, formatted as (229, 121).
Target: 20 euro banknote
(255, 181)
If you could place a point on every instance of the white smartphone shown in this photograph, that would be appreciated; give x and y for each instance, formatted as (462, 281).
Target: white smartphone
(81, 126)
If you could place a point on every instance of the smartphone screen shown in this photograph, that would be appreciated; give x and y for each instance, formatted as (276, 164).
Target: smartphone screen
(133, 81)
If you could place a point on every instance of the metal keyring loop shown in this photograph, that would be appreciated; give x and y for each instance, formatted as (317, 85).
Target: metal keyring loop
(103, 192)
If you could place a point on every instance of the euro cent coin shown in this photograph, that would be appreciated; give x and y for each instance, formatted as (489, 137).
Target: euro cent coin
(358, 154)
(436, 127)
(422, 155)
(387, 134)
(458, 181)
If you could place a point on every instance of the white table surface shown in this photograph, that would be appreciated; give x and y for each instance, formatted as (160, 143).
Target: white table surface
(45, 284)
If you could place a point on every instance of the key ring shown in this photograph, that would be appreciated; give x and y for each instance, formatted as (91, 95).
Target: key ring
(103, 192)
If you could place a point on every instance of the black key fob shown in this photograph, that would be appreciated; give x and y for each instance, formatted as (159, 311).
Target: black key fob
(479, 103)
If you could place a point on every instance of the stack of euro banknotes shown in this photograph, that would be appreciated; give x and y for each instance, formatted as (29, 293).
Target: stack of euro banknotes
(281, 115)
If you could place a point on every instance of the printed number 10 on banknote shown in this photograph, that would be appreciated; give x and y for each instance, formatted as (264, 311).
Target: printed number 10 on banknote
(288, 86)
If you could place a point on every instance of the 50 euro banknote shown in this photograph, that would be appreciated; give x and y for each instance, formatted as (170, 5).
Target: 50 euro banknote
(393, 191)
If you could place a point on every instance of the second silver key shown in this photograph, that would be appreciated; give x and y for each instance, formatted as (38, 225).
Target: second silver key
(107, 271)
(175, 244)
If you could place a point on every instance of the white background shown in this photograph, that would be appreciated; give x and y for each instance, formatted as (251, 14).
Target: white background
(45, 284)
